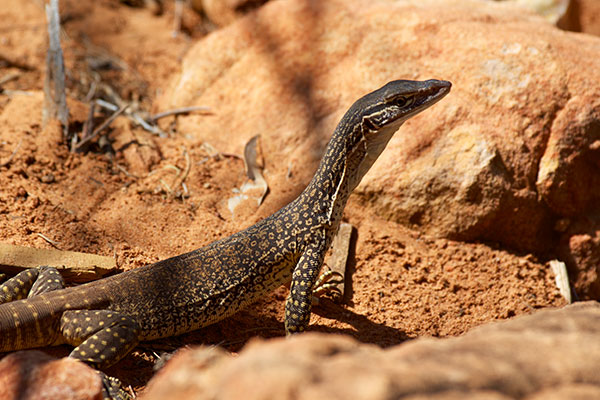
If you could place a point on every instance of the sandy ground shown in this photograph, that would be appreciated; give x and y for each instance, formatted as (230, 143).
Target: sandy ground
(111, 200)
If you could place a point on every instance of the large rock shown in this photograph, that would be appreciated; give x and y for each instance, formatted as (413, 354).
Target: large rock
(33, 375)
(546, 355)
(582, 16)
(512, 150)
(579, 247)
(552, 10)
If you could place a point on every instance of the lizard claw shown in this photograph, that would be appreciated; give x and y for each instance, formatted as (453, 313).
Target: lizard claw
(327, 283)
(111, 388)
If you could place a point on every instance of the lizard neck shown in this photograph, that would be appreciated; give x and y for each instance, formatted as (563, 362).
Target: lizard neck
(348, 157)
(327, 193)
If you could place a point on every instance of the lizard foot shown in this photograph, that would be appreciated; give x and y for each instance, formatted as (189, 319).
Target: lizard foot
(327, 283)
(111, 388)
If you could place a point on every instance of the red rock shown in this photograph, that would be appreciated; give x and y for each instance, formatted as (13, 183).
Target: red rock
(552, 351)
(33, 375)
(575, 391)
(502, 158)
(580, 249)
(582, 16)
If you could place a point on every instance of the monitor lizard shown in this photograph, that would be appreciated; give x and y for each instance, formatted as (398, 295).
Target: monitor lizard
(106, 318)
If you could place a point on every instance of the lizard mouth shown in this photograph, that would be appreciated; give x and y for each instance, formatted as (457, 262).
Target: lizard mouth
(434, 91)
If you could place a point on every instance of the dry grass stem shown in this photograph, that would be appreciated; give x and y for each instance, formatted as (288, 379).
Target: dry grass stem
(180, 178)
(10, 158)
(55, 99)
(178, 111)
(73, 265)
(47, 239)
(9, 77)
(99, 129)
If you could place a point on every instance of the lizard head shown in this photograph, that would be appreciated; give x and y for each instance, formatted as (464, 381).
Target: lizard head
(361, 136)
(397, 101)
(378, 115)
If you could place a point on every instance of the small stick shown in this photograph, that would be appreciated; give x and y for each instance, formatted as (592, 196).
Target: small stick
(177, 111)
(9, 77)
(74, 266)
(230, 155)
(106, 104)
(145, 125)
(186, 192)
(47, 239)
(99, 129)
(562, 279)
(207, 147)
(129, 174)
(87, 127)
(177, 18)
(5, 163)
(110, 92)
(168, 166)
(90, 94)
(339, 256)
(89, 123)
(55, 100)
(16, 92)
(166, 186)
(180, 178)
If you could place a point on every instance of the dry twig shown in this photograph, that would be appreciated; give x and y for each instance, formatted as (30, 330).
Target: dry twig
(180, 178)
(127, 173)
(178, 111)
(74, 266)
(178, 16)
(99, 129)
(47, 239)
(10, 158)
(55, 99)
(89, 123)
(9, 77)
(562, 279)
(107, 105)
(339, 260)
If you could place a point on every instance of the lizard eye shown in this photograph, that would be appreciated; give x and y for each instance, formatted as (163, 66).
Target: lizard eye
(403, 101)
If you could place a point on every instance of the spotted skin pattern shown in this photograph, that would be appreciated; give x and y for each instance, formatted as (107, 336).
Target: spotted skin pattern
(105, 319)
(30, 283)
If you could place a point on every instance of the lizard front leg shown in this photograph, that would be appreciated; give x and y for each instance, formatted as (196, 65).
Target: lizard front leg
(101, 337)
(299, 301)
